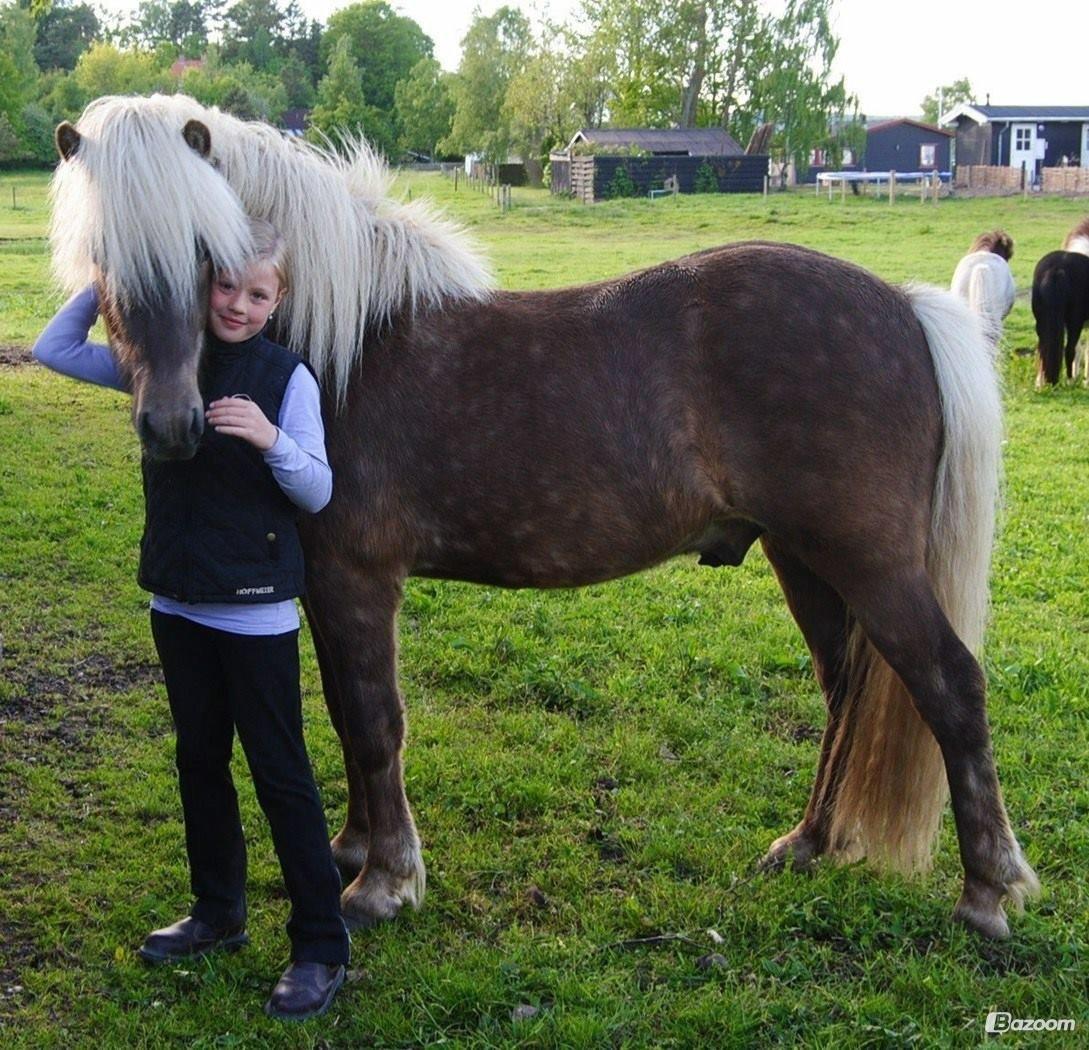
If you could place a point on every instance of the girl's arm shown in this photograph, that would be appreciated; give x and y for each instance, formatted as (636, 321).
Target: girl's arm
(63, 346)
(298, 459)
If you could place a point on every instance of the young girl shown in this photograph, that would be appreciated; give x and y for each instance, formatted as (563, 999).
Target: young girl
(232, 664)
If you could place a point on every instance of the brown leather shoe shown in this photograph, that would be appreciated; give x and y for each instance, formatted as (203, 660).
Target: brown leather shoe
(306, 989)
(188, 939)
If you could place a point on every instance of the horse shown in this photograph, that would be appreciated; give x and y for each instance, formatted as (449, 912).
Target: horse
(1077, 240)
(753, 392)
(983, 279)
(1060, 305)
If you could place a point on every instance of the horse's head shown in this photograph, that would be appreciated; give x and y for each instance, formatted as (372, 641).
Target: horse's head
(139, 210)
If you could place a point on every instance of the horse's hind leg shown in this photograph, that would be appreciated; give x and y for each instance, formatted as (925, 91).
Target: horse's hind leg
(1073, 334)
(357, 615)
(822, 617)
(905, 624)
(349, 845)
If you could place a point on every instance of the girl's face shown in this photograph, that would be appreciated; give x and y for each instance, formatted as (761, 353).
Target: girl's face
(239, 304)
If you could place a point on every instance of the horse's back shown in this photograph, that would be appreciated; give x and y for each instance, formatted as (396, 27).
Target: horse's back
(561, 436)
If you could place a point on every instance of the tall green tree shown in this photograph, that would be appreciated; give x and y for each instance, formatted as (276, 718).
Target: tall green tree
(495, 48)
(385, 44)
(536, 110)
(342, 112)
(63, 33)
(951, 95)
(183, 23)
(793, 86)
(425, 106)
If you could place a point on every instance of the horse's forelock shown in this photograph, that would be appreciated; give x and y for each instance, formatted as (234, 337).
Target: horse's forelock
(138, 208)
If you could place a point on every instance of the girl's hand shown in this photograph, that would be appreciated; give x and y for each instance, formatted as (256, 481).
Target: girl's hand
(240, 417)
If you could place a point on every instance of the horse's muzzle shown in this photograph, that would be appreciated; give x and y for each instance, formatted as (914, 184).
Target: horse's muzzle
(174, 438)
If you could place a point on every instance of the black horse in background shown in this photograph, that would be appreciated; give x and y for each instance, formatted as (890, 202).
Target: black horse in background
(1060, 304)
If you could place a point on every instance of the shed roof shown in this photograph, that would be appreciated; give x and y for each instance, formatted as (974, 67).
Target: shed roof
(884, 125)
(985, 114)
(693, 141)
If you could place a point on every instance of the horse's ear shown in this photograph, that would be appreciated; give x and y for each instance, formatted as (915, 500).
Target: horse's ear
(67, 139)
(197, 137)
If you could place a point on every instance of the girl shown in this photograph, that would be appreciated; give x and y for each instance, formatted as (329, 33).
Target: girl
(230, 653)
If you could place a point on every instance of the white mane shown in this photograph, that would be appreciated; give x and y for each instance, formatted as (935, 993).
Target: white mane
(137, 205)
(355, 257)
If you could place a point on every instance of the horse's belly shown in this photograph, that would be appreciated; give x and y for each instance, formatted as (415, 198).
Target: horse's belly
(532, 553)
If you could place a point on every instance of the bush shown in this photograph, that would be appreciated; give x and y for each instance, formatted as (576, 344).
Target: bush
(621, 184)
(706, 179)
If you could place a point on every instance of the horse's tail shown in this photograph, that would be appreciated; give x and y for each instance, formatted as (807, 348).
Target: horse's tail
(984, 297)
(1050, 294)
(889, 788)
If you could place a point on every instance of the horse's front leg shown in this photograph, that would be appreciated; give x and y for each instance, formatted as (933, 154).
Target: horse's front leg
(355, 614)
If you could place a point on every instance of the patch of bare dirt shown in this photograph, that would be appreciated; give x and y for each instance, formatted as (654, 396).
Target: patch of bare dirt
(13, 356)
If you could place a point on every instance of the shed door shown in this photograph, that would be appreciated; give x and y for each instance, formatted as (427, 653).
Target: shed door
(1023, 147)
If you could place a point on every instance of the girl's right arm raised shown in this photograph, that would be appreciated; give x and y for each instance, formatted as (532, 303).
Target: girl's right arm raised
(63, 346)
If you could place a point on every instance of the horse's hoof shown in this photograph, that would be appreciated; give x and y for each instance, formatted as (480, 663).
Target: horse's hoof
(989, 922)
(980, 909)
(377, 896)
(796, 847)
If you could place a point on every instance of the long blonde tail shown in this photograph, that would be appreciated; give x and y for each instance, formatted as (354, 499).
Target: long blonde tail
(891, 789)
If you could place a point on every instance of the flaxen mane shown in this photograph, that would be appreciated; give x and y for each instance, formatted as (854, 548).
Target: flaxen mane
(997, 241)
(356, 258)
(150, 230)
(1077, 240)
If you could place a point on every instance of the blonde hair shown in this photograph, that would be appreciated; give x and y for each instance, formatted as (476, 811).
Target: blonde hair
(270, 247)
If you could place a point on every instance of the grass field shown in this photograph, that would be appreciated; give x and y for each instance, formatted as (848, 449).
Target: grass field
(592, 771)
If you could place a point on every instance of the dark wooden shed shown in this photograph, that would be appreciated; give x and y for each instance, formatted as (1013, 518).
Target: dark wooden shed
(650, 156)
(1022, 137)
(893, 144)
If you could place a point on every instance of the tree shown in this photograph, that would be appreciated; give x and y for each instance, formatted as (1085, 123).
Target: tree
(342, 112)
(103, 69)
(494, 49)
(425, 106)
(183, 23)
(17, 35)
(251, 30)
(535, 111)
(62, 34)
(793, 87)
(951, 95)
(387, 45)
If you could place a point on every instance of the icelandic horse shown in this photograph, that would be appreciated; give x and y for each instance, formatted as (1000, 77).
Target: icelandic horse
(984, 281)
(751, 392)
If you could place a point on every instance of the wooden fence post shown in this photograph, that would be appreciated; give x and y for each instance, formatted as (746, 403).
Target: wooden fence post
(892, 187)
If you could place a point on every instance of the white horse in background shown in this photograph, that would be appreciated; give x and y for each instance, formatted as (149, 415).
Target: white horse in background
(983, 279)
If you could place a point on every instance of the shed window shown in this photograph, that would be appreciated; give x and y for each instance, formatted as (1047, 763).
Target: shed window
(848, 156)
(927, 155)
(1022, 138)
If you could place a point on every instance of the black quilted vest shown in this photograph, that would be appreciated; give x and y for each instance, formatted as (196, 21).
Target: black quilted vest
(217, 527)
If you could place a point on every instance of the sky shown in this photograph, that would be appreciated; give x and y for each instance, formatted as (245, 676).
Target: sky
(890, 56)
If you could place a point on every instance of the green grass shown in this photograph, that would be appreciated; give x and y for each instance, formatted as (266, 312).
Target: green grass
(587, 768)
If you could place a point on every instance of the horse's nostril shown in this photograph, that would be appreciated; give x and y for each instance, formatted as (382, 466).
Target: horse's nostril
(143, 426)
(196, 425)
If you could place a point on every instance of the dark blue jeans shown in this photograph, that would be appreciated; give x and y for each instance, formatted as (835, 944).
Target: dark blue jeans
(218, 682)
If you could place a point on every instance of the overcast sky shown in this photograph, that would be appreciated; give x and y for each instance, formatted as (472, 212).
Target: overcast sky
(891, 56)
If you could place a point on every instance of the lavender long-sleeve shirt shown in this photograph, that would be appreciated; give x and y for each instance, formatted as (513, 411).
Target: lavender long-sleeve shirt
(297, 460)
